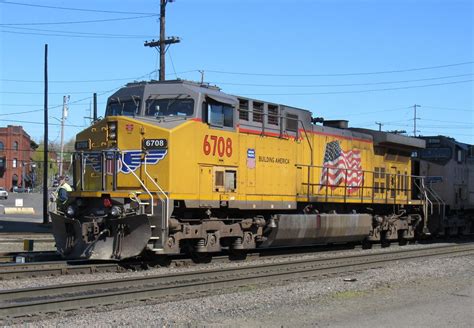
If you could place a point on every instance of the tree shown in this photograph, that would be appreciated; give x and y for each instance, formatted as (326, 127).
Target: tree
(53, 161)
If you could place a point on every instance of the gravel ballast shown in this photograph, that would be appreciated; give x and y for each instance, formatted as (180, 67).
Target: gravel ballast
(420, 293)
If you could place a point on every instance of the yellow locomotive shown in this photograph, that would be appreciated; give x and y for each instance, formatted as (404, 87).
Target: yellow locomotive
(177, 167)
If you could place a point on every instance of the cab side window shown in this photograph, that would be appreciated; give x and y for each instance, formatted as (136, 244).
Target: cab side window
(220, 114)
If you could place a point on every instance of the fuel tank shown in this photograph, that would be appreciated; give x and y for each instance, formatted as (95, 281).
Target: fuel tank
(313, 229)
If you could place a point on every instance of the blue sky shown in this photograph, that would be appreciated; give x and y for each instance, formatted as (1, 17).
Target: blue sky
(364, 61)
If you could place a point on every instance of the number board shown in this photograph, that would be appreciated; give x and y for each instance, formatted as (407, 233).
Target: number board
(154, 143)
(81, 145)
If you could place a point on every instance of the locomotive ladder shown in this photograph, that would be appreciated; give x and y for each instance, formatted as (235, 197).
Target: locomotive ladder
(164, 199)
(161, 196)
(430, 200)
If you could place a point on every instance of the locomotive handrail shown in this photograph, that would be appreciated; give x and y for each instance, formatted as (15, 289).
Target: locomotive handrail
(441, 204)
(405, 189)
(143, 186)
(311, 154)
(426, 199)
(164, 202)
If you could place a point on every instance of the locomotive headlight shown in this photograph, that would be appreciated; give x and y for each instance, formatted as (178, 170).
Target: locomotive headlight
(115, 211)
(70, 211)
(112, 130)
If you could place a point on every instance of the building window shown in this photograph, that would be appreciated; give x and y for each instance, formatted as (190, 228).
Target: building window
(257, 112)
(243, 109)
(273, 114)
(15, 145)
(14, 163)
(2, 147)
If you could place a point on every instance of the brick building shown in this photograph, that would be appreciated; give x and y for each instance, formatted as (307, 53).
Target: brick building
(16, 149)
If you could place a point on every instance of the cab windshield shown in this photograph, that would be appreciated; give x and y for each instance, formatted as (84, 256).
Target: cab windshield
(126, 108)
(169, 107)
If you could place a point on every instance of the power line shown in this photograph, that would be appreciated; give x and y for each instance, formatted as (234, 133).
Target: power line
(56, 106)
(66, 81)
(378, 111)
(434, 126)
(81, 22)
(76, 32)
(78, 36)
(448, 108)
(51, 93)
(355, 91)
(343, 74)
(25, 112)
(337, 85)
(91, 81)
(453, 122)
(73, 9)
(35, 150)
(36, 110)
(41, 123)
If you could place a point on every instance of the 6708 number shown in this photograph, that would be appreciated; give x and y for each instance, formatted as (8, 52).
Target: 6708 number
(214, 145)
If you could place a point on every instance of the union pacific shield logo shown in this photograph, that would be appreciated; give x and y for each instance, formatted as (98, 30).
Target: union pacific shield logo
(133, 159)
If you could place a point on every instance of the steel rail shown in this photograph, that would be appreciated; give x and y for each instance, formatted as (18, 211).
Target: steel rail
(29, 301)
(29, 256)
(12, 270)
(57, 268)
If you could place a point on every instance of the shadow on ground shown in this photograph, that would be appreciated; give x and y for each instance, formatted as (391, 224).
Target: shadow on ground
(18, 226)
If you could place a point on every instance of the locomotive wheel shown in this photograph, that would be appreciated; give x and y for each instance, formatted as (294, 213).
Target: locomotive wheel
(384, 241)
(197, 257)
(237, 255)
(401, 240)
(366, 244)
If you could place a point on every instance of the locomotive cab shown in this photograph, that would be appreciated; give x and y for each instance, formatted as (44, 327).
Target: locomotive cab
(122, 168)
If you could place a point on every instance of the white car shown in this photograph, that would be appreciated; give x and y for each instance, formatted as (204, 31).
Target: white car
(3, 193)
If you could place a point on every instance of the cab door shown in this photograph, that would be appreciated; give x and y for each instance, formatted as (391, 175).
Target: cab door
(205, 184)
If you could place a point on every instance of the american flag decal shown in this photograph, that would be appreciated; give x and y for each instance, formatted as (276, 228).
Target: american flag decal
(340, 167)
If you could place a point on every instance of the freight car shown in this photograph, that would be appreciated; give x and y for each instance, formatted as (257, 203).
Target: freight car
(181, 167)
(448, 166)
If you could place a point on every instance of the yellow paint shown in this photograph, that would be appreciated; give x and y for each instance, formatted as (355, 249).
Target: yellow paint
(280, 173)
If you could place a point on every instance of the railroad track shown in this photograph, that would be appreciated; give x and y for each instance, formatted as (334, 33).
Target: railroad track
(42, 264)
(29, 301)
(48, 264)
(33, 256)
(54, 268)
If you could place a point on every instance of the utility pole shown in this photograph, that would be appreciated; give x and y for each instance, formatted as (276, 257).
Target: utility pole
(163, 43)
(63, 118)
(92, 110)
(380, 125)
(45, 154)
(414, 119)
(202, 76)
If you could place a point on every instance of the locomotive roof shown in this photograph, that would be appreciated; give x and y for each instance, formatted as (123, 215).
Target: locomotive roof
(392, 139)
(445, 139)
(211, 91)
(178, 86)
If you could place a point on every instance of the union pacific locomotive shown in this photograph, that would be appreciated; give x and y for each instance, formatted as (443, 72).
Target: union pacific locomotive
(181, 167)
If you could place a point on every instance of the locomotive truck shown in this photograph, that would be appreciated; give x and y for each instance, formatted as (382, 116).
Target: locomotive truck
(182, 167)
